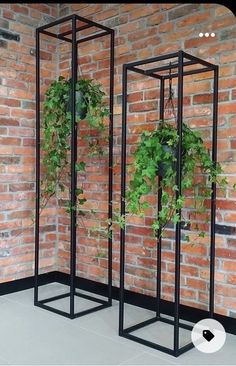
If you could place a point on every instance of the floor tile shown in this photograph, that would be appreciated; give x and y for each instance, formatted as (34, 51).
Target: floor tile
(146, 359)
(163, 334)
(34, 336)
(41, 337)
(225, 356)
(108, 320)
(27, 297)
(3, 362)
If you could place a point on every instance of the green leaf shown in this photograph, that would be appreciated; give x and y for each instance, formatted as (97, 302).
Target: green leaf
(80, 167)
(79, 191)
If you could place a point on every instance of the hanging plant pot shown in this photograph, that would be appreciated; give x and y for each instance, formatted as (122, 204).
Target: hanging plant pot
(163, 166)
(80, 103)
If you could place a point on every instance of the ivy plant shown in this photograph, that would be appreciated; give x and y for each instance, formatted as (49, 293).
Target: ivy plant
(57, 131)
(158, 149)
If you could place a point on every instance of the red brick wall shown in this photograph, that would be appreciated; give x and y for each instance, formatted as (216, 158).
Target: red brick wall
(17, 140)
(142, 31)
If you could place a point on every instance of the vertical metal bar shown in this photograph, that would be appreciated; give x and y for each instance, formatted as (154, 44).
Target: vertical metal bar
(73, 170)
(213, 194)
(159, 207)
(123, 187)
(178, 193)
(112, 47)
(37, 207)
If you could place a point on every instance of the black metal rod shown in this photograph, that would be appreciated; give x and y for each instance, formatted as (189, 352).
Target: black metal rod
(149, 344)
(178, 194)
(54, 298)
(143, 72)
(182, 325)
(110, 173)
(169, 67)
(92, 23)
(190, 72)
(133, 328)
(66, 33)
(89, 38)
(56, 22)
(159, 207)
(73, 170)
(213, 194)
(92, 310)
(57, 36)
(53, 310)
(122, 203)
(37, 207)
(197, 60)
(153, 59)
(184, 349)
(91, 298)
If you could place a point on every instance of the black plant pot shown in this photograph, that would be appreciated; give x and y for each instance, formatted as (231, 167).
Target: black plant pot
(81, 108)
(162, 167)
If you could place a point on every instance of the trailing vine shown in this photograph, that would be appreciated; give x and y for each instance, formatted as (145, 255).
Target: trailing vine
(158, 149)
(57, 131)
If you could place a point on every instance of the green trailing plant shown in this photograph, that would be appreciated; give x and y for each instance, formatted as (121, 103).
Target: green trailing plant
(57, 131)
(150, 154)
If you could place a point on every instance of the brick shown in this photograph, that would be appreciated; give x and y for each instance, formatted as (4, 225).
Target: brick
(141, 34)
(142, 12)
(3, 44)
(227, 108)
(9, 141)
(21, 28)
(155, 19)
(41, 7)
(230, 57)
(10, 102)
(8, 122)
(222, 10)
(4, 24)
(166, 27)
(20, 9)
(8, 14)
(143, 43)
(231, 279)
(196, 284)
(18, 187)
(208, 98)
(107, 14)
(182, 11)
(198, 42)
(129, 27)
(21, 94)
(194, 19)
(142, 107)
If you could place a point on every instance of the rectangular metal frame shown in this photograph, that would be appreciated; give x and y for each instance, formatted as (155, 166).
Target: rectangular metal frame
(181, 65)
(74, 44)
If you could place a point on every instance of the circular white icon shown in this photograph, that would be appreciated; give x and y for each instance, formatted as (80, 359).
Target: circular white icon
(208, 335)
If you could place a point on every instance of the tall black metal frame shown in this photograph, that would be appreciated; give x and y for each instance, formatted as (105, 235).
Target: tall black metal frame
(183, 60)
(65, 36)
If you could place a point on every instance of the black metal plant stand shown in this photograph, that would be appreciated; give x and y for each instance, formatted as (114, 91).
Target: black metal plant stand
(182, 62)
(71, 36)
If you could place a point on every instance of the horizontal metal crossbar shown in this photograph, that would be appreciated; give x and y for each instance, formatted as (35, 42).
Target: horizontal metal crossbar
(126, 334)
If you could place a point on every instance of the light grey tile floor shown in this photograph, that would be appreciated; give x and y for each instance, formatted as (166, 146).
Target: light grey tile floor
(33, 336)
